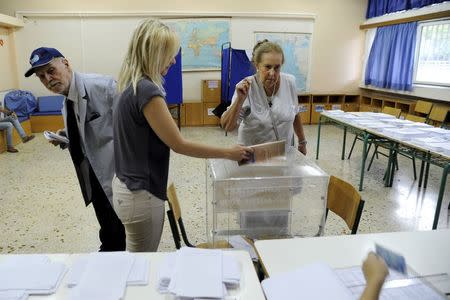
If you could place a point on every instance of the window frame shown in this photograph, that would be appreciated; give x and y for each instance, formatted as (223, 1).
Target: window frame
(417, 50)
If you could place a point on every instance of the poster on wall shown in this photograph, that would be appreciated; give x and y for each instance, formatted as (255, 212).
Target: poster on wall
(297, 50)
(201, 41)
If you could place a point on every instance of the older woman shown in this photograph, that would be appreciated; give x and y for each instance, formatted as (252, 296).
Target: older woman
(265, 105)
(144, 133)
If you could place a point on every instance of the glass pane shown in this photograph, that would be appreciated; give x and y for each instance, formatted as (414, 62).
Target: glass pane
(434, 54)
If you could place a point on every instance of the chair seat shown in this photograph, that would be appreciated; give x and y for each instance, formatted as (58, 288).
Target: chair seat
(218, 245)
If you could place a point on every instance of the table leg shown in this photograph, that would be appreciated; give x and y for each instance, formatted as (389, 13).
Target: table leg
(422, 167)
(343, 143)
(387, 175)
(318, 137)
(363, 161)
(441, 195)
(427, 171)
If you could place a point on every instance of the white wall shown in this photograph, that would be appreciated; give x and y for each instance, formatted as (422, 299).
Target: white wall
(8, 67)
(337, 41)
(98, 44)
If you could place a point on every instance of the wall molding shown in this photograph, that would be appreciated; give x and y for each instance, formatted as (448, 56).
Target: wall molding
(161, 14)
(10, 22)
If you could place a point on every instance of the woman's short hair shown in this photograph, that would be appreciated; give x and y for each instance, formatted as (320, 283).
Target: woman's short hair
(153, 45)
(265, 46)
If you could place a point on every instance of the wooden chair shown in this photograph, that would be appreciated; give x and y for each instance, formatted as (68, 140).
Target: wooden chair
(177, 225)
(345, 201)
(423, 108)
(414, 118)
(392, 111)
(438, 115)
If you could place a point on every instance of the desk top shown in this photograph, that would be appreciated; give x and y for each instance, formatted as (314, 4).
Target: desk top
(426, 252)
(250, 287)
(337, 117)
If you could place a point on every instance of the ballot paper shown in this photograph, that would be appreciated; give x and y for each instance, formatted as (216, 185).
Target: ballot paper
(396, 286)
(104, 277)
(33, 274)
(238, 242)
(138, 274)
(13, 295)
(180, 274)
(315, 281)
(51, 136)
(393, 260)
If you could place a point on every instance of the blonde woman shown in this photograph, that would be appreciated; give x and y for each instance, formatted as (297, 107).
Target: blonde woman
(144, 133)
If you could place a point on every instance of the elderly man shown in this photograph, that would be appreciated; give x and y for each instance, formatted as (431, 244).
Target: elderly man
(8, 120)
(87, 113)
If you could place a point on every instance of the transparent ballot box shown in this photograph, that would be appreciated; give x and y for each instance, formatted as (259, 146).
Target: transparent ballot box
(283, 197)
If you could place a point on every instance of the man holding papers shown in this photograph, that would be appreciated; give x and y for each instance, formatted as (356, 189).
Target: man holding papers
(87, 113)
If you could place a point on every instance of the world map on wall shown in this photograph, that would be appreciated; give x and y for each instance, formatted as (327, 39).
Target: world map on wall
(296, 49)
(201, 42)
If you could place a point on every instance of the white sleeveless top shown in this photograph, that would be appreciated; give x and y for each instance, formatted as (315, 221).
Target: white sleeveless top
(256, 125)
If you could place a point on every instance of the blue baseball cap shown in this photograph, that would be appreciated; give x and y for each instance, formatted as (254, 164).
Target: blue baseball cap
(40, 57)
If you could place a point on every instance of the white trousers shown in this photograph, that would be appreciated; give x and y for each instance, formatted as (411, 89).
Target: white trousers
(142, 214)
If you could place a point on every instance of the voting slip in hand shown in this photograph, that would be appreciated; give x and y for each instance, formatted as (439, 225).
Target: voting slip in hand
(266, 151)
(51, 136)
(393, 260)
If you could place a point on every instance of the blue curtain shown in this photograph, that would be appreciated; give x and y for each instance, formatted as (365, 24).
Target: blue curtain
(422, 3)
(241, 67)
(235, 67)
(377, 8)
(225, 73)
(173, 82)
(391, 58)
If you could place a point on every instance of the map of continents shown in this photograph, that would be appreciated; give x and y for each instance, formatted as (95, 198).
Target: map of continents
(201, 42)
(296, 48)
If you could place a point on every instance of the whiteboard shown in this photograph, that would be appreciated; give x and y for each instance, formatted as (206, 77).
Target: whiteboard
(97, 44)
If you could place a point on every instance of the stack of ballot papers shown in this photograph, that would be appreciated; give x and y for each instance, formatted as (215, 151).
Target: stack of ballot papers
(106, 275)
(23, 275)
(199, 273)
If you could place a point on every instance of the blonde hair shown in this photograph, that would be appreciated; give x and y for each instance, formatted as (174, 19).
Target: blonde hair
(152, 47)
(265, 46)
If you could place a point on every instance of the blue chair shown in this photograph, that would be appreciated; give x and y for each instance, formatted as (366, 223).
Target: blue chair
(48, 115)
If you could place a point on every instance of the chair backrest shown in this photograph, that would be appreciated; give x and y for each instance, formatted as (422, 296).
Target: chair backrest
(415, 118)
(392, 111)
(175, 219)
(438, 113)
(423, 107)
(173, 201)
(345, 201)
(50, 103)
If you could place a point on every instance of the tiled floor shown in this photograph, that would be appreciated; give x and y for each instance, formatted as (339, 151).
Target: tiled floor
(42, 210)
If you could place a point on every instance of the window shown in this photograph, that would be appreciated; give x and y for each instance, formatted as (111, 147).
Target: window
(432, 63)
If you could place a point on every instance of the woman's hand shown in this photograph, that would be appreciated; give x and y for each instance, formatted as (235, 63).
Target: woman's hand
(239, 153)
(302, 148)
(375, 272)
(242, 89)
(375, 269)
